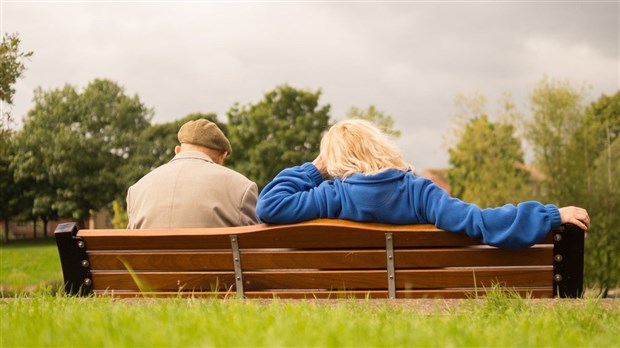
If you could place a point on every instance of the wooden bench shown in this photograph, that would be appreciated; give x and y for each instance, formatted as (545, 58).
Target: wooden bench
(315, 259)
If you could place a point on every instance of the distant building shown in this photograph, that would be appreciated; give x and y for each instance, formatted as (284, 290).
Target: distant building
(19, 230)
(27, 230)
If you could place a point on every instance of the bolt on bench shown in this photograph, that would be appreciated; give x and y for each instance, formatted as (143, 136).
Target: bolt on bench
(314, 259)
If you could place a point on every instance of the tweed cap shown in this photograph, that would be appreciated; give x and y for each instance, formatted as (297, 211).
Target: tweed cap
(204, 133)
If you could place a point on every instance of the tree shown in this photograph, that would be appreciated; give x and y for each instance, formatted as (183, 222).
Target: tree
(557, 115)
(576, 148)
(282, 130)
(602, 262)
(598, 142)
(598, 131)
(379, 118)
(73, 146)
(11, 68)
(13, 200)
(487, 164)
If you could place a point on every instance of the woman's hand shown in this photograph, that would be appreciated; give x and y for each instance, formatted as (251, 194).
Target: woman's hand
(576, 216)
(320, 164)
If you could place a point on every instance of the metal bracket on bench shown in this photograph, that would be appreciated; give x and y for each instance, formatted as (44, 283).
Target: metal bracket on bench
(391, 274)
(568, 244)
(74, 260)
(234, 243)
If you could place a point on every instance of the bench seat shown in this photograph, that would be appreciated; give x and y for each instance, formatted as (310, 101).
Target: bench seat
(314, 259)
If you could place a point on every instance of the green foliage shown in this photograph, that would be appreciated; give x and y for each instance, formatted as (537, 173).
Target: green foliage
(379, 118)
(11, 68)
(13, 200)
(602, 265)
(46, 320)
(576, 149)
(282, 130)
(557, 113)
(487, 163)
(599, 145)
(73, 146)
(119, 215)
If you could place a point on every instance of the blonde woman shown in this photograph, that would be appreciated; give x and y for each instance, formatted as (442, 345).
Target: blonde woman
(372, 183)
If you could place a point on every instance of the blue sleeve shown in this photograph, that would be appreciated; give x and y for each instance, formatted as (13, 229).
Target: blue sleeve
(296, 194)
(509, 226)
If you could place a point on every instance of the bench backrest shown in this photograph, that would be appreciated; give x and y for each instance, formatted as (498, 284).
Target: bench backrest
(315, 259)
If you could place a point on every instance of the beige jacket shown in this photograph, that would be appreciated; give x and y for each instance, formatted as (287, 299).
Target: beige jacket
(192, 191)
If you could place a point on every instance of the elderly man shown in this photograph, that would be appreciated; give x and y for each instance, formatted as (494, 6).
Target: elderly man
(194, 189)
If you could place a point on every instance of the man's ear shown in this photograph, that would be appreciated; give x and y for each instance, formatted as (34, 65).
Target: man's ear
(177, 149)
(221, 157)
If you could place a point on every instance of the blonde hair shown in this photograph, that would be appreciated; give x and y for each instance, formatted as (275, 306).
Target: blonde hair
(358, 146)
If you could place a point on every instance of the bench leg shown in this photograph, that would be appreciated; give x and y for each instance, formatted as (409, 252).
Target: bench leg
(74, 260)
(568, 246)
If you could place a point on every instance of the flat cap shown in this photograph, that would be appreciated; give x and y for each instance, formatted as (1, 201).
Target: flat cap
(204, 133)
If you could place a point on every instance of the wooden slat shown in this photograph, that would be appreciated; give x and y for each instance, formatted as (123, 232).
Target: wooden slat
(230, 294)
(407, 279)
(308, 235)
(330, 259)
(162, 281)
(419, 279)
(159, 260)
(329, 237)
(484, 277)
(376, 259)
(468, 257)
(170, 241)
(373, 294)
(313, 259)
(400, 294)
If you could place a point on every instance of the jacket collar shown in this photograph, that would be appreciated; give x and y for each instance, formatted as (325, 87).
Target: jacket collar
(190, 154)
(383, 176)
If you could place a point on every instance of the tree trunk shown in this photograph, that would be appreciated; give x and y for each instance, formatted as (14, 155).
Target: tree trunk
(609, 171)
(80, 222)
(6, 231)
(34, 228)
(45, 221)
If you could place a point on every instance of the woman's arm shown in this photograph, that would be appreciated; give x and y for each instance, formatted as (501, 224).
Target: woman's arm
(295, 194)
(508, 226)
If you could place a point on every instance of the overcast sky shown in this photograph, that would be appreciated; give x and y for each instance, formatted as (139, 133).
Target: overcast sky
(409, 59)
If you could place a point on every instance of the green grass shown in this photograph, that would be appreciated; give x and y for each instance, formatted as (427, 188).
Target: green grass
(38, 318)
(29, 264)
(48, 320)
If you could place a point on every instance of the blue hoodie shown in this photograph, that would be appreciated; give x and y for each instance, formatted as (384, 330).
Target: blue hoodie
(397, 197)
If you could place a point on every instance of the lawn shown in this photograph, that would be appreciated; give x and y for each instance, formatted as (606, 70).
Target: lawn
(55, 320)
(29, 264)
(45, 318)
